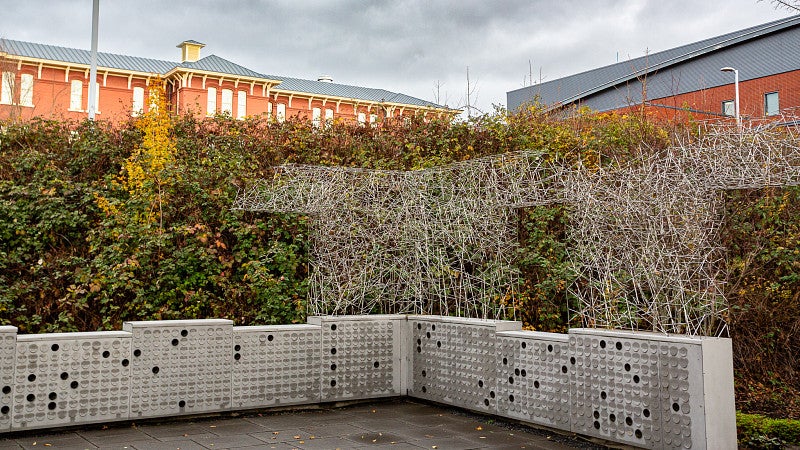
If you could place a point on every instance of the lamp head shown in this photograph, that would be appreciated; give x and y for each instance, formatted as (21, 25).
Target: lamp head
(728, 69)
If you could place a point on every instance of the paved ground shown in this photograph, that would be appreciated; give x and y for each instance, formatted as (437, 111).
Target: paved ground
(397, 424)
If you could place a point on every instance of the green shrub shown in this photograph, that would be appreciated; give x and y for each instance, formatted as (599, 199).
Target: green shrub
(760, 432)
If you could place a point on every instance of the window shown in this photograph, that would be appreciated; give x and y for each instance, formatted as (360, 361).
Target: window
(241, 104)
(771, 107)
(226, 107)
(76, 95)
(7, 91)
(728, 108)
(362, 118)
(373, 119)
(281, 112)
(269, 110)
(138, 101)
(211, 105)
(26, 90)
(328, 116)
(316, 115)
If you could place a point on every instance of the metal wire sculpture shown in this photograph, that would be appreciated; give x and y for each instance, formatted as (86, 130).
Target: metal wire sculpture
(643, 235)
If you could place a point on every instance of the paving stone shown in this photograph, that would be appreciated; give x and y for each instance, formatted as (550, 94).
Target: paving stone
(184, 444)
(71, 441)
(227, 441)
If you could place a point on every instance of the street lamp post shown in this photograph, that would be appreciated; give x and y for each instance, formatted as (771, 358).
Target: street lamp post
(736, 99)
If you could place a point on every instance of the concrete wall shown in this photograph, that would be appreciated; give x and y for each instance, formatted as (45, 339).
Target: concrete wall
(643, 389)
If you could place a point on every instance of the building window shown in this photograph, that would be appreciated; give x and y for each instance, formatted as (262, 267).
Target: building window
(26, 90)
(362, 118)
(771, 107)
(281, 112)
(211, 104)
(373, 120)
(316, 116)
(269, 110)
(728, 108)
(138, 101)
(328, 116)
(7, 91)
(76, 95)
(226, 107)
(241, 104)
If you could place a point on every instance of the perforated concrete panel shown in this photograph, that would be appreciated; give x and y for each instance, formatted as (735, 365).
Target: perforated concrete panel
(533, 383)
(71, 378)
(454, 360)
(275, 365)
(180, 366)
(616, 388)
(361, 356)
(673, 392)
(8, 350)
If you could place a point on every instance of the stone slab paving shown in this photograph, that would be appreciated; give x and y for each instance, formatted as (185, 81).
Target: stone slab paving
(396, 424)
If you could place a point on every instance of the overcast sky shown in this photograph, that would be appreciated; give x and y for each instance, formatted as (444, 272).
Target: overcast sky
(407, 46)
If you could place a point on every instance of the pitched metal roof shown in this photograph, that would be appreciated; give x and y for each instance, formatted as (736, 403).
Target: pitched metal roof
(756, 51)
(84, 57)
(347, 91)
(211, 63)
(214, 63)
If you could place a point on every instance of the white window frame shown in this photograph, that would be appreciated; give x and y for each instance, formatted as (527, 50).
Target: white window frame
(328, 116)
(280, 115)
(76, 95)
(373, 120)
(26, 90)
(728, 108)
(137, 107)
(362, 118)
(226, 102)
(241, 104)
(777, 109)
(7, 88)
(316, 117)
(211, 102)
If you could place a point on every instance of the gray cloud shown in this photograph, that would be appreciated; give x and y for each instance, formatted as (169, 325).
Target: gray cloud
(403, 45)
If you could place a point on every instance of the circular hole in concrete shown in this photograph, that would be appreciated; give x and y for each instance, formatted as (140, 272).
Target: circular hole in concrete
(6, 390)
(619, 345)
(523, 373)
(333, 366)
(184, 333)
(376, 364)
(638, 434)
(523, 345)
(629, 421)
(511, 398)
(676, 407)
(603, 395)
(182, 404)
(627, 367)
(4, 410)
(237, 347)
(52, 396)
(32, 377)
(106, 354)
(175, 342)
(64, 375)
(596, 414)
(333, 383)
(549, 347)
(31, 397)
(646, 412)
(636, 379)
(74, 385)
(237, 356)
(125, 363)
(270, 337)
(51, 406)
(137, 353)
(54, 347)
(536, 384)
(563, 369)
(596, 425)
(333, 327)
(612, 417)
(156, 370)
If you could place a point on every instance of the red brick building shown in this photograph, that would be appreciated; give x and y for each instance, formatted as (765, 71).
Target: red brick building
(50, 81)
(686, 81)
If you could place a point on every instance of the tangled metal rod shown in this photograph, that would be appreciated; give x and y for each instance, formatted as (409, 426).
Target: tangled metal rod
(643, 236)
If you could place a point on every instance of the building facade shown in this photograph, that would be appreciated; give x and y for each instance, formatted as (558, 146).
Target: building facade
(51, 81)
(686, 81)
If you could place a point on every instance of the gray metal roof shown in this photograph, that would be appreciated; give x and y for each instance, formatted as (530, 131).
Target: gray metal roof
(756, 52)
(211, 63)
(347, 91)
(214, 63)
(76, 56)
